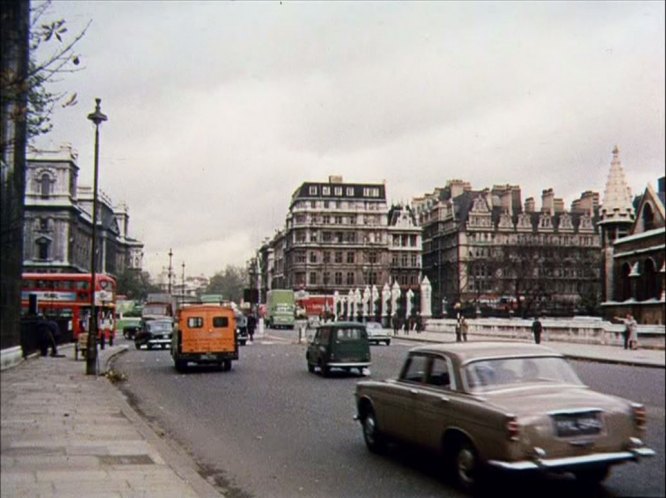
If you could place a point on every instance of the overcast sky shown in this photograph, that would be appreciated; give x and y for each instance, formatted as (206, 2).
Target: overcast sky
(218, 111)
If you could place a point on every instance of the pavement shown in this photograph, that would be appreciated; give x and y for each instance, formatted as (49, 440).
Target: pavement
(65, 433)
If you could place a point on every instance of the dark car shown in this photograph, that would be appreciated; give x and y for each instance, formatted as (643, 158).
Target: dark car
(341, 345)
(155, 333)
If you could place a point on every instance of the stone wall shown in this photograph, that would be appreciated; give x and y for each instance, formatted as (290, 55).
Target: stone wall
(582, 330)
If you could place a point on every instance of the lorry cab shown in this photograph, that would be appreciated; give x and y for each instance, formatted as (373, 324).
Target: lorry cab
(205, 334)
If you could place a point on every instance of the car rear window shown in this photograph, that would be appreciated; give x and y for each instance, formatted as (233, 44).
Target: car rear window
(348, 334)
(195, 322)
(220, 322)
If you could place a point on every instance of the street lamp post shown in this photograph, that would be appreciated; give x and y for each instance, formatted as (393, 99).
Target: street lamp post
(182, 281)
(170, 272)
(91, 346)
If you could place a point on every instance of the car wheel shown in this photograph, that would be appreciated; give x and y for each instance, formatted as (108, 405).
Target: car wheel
(593, 475)
(226, 365)
(181, 365)
(371, 434)
(137, 345)
(311, 368)
(465, 466)
(388, 342)
(324, 369)
(242, 343)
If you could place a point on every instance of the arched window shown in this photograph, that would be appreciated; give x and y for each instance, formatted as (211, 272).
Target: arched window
(649, 282)
(648, 217)
(623, 284)
(45, 185)
(43, 247)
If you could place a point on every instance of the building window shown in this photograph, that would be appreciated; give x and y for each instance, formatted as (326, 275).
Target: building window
(350, 278)
(350, 257)
(338, 191)
(313, 204)
(352, 219)
(313, 278)
(338, 256)
(327, 257)
(313, 236)
(43, 246)
(326, 190)
(338, 220)
(313, 190)
(313, 257)
(45, 185)
(327, 236)
(338, 278)
(326, 219)
(327, 278)
(350, 191)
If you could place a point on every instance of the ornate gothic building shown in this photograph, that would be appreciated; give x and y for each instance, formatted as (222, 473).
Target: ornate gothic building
(485, 251)
(633, 249)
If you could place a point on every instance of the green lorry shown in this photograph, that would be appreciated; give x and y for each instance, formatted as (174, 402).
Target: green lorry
(280, 308)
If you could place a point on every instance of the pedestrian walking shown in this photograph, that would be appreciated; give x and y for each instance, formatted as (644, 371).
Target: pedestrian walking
(537, 328)
(251, 326)
(394, 319)
(459, 327)
(463, 328)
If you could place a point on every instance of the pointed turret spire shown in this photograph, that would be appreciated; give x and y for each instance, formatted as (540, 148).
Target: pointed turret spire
(617, 203)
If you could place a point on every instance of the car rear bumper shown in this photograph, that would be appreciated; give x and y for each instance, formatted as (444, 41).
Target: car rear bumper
(571, 463)
(349, 364)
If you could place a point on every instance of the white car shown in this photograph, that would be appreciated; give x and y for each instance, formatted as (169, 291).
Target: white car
(377, 334)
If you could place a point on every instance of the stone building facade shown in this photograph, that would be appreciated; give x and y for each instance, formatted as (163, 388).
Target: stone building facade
(58, 220)
(337, 237)
(483, 250)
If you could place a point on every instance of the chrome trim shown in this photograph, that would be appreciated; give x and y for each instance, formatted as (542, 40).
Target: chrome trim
(349, 365)
(568, 462)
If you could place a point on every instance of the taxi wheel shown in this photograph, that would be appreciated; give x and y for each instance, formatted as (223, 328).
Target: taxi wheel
(311, 368)
(324, 369)
(137, 345)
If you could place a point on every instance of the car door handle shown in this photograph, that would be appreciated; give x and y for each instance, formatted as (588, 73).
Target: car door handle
(413, 391)
(444, 399)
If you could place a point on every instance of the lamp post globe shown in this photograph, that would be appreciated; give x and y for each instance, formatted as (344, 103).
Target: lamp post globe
(97, 117)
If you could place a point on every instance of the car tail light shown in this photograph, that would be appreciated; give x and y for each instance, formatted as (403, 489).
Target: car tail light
(512, 429)
(640, 417)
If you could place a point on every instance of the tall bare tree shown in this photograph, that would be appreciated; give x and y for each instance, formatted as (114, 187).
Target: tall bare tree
(25, 111)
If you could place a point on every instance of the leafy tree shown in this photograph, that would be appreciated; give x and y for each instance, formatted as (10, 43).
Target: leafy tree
(135, 285)
(230, 283)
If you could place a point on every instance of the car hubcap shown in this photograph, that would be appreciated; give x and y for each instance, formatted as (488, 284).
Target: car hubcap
(466, 465)
(370, 427)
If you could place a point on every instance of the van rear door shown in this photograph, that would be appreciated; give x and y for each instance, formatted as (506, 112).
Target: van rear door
(209, 332)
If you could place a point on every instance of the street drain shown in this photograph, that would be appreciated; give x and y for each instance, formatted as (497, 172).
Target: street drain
(125, 459)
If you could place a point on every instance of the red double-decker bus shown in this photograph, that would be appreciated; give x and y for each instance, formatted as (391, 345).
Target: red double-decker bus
(65, 297)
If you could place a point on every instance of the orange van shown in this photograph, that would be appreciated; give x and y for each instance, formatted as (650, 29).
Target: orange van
(204, 333)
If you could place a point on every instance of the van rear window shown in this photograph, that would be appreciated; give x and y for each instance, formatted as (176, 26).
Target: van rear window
(195, 322)
(220, 322)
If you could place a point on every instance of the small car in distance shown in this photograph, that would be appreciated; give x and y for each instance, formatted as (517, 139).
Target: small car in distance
(341, 345)
(154, 333)
(377, 334)
(514, 407)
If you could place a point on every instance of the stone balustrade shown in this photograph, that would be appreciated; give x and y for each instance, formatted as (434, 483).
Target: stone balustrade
(576, 330)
